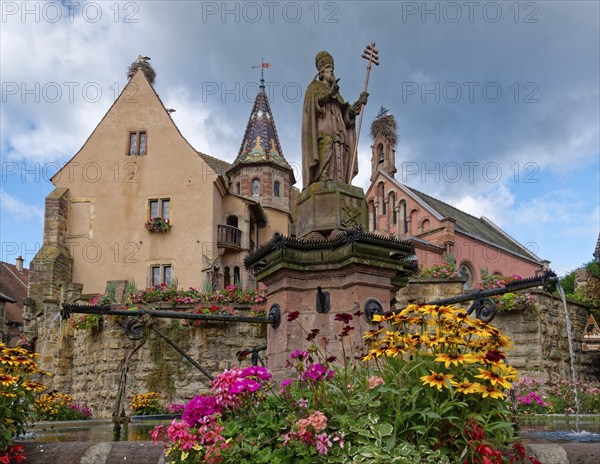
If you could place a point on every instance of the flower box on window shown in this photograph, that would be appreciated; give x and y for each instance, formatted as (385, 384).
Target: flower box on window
(158, 225)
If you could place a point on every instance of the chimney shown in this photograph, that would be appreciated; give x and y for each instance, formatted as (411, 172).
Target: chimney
(20, 264)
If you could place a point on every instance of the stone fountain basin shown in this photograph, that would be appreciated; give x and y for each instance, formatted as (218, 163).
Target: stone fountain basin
(560, 428)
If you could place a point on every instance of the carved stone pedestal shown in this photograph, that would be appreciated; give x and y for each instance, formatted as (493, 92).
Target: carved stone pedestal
(326, 207)
(321, 278)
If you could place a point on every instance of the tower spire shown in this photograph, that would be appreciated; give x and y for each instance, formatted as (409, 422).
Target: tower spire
(261, 142)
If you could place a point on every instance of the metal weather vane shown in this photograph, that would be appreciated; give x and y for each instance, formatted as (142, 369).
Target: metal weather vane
(262, 66)
(371, 54)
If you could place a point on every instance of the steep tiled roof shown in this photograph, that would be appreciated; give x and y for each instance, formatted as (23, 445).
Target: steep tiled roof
(217, 165)
(475, 227)
(261, 143)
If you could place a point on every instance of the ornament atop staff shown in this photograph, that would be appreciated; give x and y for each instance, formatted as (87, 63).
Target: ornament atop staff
(370, 54)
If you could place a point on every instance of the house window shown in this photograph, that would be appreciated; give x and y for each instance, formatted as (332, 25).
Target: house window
(237, 188)
(161, 274)
(236, 277)
(226, 276)
(232, 221)
(466, 273)
(137, 143)
(160, 208)
(255, 187)
(276, 187)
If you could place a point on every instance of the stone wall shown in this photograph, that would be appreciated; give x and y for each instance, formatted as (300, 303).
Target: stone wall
(539, 333)
(96, 360)
(540, 341)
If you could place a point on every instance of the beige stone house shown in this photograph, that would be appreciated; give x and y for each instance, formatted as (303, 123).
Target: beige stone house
(136, 165)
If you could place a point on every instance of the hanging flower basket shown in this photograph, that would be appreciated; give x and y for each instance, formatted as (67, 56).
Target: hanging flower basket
(158, 225)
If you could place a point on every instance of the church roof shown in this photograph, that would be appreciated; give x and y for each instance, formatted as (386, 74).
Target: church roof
(480, 228)
(261, 143)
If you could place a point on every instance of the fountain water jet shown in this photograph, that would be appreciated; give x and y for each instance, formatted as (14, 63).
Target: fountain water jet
(571, 354)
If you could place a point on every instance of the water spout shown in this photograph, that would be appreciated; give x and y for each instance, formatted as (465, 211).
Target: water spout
(571, 354)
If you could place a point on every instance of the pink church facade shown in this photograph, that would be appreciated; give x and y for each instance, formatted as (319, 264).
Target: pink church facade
(438, 229)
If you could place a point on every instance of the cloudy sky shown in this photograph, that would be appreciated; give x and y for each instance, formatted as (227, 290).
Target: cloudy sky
(497, 103)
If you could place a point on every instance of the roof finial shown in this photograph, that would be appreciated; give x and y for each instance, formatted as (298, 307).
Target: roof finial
(262, 67)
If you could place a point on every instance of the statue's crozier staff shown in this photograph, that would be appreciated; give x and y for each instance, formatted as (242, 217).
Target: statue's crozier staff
(328, 128)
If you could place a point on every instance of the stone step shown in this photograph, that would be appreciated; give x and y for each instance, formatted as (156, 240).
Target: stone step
(124, 452)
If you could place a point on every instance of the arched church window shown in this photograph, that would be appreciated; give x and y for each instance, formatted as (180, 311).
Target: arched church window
(466, 273)
(381, 195)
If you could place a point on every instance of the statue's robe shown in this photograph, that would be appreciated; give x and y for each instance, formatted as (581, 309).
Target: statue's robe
(328, 136)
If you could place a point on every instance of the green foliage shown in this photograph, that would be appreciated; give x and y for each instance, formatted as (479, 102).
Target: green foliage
(60, 407)
(17, 392)
(88, 322)
(145, 404)
(535, 397)
(443, 271)
(507, 301)
(568, 284)
(429, 391)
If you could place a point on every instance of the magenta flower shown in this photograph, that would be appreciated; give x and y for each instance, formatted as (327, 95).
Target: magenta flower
(323, 443)
(286, 382)
(244, 385)
(156, 433)
(199, 408)
(260, 373)
(299, 355)
(317, 372)
(179, 431)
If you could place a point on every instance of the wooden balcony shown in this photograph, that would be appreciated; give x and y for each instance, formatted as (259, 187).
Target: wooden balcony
(229, 237)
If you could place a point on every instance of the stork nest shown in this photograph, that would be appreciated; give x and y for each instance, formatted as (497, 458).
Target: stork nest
(385, 126)
(146, 68)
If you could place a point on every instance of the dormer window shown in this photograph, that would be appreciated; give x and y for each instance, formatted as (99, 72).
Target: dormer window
(137, 143)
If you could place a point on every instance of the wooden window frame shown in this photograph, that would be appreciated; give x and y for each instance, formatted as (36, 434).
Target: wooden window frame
(161, 207)
(138, 139)
(161, 270)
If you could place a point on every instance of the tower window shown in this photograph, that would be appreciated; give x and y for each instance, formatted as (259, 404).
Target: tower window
(137, 143)
(237, 188)
(255, 187)
(276, 188)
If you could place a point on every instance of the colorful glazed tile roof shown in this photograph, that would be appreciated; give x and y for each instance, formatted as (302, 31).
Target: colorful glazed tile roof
(261, 143)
